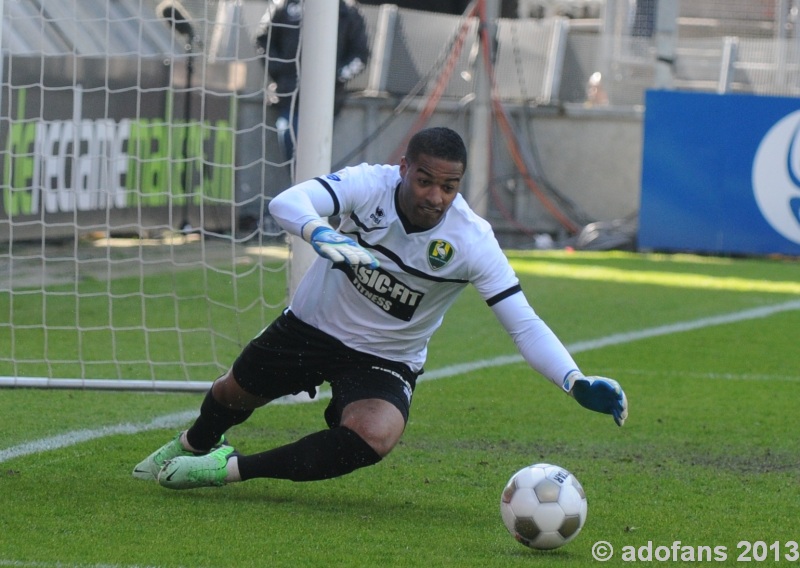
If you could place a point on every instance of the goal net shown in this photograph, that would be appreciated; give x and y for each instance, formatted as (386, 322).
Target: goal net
(138, 154)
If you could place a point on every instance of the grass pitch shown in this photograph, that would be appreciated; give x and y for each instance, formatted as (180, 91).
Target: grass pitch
(708, 456)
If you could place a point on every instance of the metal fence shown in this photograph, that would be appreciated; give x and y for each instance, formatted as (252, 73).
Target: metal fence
(724, 46)
(604, 54)
(598, 52)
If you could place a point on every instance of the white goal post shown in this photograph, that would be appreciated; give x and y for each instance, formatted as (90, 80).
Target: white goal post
(138, 152)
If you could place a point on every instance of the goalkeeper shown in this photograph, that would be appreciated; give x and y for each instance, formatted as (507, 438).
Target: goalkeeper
(361, 319)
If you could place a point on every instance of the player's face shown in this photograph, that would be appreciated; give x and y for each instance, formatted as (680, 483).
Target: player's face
(428, 188)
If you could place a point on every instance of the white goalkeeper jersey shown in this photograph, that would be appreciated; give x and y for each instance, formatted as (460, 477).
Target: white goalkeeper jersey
(393, 310)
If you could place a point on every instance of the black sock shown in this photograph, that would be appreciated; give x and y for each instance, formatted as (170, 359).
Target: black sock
(215, 419)
(322, 455)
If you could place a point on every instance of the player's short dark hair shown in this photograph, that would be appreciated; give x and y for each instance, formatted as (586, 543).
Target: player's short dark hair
(438, 142)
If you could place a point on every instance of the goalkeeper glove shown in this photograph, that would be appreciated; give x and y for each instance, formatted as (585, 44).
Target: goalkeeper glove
(350, 70)
(599, 394)
(337, 247)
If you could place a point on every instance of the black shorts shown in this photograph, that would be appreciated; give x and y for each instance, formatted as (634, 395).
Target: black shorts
(290, 357)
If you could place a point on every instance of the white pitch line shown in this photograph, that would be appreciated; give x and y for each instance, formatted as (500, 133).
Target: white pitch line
(180, 418)
(78, 436)
(621, 338)
(708, 376)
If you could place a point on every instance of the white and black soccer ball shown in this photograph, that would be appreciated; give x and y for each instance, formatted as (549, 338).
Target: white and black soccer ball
(543, 506)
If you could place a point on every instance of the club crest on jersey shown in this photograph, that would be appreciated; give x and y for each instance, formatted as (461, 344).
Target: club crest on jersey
(440, 253)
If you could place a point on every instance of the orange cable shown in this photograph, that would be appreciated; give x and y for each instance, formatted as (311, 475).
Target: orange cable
(439, 88)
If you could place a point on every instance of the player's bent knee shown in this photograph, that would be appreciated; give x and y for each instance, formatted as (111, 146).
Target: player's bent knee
(381, 440)
(379, 423)
(380, 444)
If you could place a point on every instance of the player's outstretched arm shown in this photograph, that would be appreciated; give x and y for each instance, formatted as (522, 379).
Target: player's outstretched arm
(544, 352)
(600, 394)
(335, 246)
(300, 209)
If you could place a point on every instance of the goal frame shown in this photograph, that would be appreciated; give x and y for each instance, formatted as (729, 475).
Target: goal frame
(313, 158)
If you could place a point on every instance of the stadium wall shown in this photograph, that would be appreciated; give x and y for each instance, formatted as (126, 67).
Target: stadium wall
(587, 152)
(593, 156)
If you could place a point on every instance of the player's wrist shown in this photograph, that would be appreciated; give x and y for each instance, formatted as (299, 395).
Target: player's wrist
(308, 229)
(569, 380)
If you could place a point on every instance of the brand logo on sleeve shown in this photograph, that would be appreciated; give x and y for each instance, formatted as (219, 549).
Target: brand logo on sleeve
(440, 253)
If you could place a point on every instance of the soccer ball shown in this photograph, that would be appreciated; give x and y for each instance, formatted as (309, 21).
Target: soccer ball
(543, 506)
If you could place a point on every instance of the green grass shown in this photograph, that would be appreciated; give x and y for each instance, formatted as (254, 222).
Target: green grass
(189, 323)
(708, 456)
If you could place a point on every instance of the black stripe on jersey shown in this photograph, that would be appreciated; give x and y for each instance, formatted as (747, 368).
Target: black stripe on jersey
(503, 295)
(405, 268)
(327, 186)
(361, 224)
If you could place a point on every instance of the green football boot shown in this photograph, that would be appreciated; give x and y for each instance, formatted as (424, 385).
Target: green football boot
(185, 472)
(149, 467)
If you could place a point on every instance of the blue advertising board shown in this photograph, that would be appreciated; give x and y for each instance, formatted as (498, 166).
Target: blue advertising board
(720, 174)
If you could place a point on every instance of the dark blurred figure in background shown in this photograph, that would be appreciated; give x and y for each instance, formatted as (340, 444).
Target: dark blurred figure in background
(278, 39)
(441, 6)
